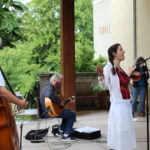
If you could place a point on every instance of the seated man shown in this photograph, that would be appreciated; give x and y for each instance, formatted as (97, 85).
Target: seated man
(68, 116)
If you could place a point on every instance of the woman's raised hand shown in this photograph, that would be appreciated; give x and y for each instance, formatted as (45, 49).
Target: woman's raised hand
(99, 70)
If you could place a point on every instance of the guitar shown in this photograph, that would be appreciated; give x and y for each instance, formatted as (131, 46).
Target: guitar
(54, 110)
(137, 75)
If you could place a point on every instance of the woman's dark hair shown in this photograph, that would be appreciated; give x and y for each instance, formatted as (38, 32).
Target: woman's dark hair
(139, 60)
(112, 49)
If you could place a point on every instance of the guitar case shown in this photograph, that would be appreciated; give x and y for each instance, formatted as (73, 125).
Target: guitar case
(93, 134)
(86, 135)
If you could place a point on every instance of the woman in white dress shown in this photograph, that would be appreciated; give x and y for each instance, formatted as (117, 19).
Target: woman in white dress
(121, 134)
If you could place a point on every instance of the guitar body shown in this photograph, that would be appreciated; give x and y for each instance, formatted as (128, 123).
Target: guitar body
(137, 77)
(53, 109)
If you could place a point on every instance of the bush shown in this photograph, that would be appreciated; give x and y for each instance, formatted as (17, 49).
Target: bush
(101, 61)
(97, 88)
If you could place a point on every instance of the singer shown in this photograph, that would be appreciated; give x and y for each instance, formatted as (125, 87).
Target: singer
(121, 134)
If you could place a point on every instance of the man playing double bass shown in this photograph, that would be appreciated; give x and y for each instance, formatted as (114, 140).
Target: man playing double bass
(8, 131)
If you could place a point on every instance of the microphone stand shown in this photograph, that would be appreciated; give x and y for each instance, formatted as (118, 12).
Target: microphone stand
(147, 107)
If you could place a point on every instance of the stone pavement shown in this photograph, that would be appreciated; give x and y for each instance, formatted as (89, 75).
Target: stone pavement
(94, 118)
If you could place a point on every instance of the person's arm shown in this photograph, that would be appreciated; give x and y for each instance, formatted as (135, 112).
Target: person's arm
(99, 70)
(131, 69)
(104, 78)
(55, 99)
(7, 95)
(50, 92)
(146, 73)
(101, 80)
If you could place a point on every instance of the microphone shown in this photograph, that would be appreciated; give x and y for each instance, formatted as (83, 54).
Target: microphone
(143, 61)
(146, 59)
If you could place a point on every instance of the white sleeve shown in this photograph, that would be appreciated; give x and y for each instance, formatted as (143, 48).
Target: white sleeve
(102, 83)
(106, 82)
(2, 83)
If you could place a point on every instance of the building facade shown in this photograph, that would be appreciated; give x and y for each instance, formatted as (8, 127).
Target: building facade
(122, 21)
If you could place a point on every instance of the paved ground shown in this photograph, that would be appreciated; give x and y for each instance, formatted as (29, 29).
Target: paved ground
(97, 119)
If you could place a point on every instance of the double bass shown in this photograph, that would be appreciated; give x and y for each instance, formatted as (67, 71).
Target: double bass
(9, 139)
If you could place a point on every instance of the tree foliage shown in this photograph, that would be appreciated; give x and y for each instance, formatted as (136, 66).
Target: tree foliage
(42, 31)
(84, 35)
(10, 21)
(39, 51)
(16, 64)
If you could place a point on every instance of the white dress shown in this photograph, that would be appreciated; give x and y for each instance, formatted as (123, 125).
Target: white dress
(121, 132)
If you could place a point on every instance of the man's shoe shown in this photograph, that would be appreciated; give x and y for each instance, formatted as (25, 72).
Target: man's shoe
(69, 138)
(58, 133)
(141, 114)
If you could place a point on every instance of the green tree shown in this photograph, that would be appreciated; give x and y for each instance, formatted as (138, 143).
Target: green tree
(84, 35)
(39, 51)
(42, 31)
(10, 22)
(17, 67)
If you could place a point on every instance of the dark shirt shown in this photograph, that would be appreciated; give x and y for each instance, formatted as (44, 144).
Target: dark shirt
(48, 91)
(124, 82)
(143, 80)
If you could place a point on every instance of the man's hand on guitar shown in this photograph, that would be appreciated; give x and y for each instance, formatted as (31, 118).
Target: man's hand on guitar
(136, 73)
(64, 102)
(72, 99)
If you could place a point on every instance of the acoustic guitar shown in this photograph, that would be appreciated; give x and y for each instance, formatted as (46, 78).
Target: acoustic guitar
(137, 77)
(54, 110)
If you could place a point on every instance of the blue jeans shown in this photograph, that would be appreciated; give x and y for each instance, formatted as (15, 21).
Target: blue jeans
(68, 119)
(141, 91)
